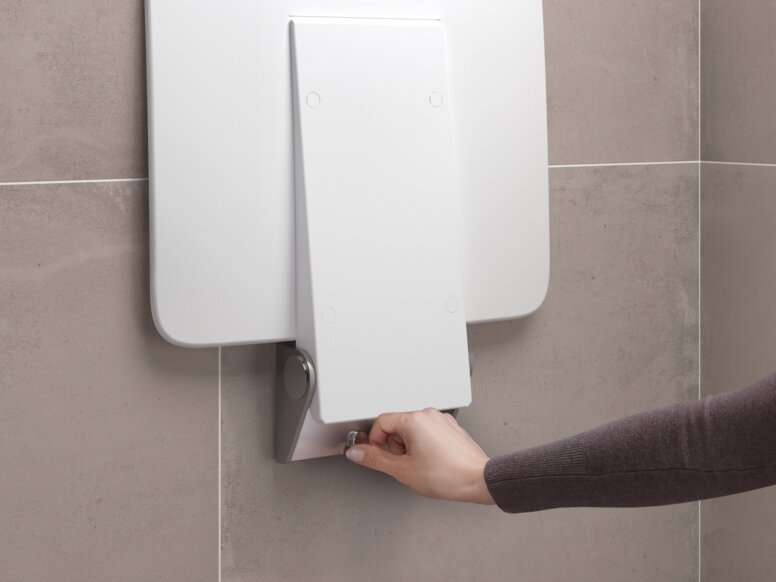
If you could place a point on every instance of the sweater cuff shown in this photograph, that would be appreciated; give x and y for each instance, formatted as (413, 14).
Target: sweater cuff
(545, 477)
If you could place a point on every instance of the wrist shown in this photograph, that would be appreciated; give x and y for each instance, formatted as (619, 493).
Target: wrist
(479, 486)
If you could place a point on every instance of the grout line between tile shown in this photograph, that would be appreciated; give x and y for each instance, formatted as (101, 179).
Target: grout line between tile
(700, 246)
(700, 85)
(755, 164)
(700, 338)
(54, 182)
(551, 166)
(623, 164)
(219, 464)
(700, 539)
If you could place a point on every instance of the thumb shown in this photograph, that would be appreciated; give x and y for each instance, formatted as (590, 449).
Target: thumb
(375, 458)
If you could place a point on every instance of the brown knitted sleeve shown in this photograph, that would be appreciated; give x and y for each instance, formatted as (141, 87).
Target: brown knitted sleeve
(694, 450)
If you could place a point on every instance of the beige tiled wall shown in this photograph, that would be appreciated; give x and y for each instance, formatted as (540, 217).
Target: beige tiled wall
(739, 256)
(72, 90)
(622, 80)
(739, 347)
(739, 84)
(108, 435)
(110, 466)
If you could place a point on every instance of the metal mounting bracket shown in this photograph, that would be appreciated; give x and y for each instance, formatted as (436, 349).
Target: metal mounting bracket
(294, 389)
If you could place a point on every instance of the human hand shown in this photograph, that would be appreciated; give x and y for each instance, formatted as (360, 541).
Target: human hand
(428, 452)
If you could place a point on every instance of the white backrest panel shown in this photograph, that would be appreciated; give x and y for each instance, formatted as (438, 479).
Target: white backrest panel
(380, 304)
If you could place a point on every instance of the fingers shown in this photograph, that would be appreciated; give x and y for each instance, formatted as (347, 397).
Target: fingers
(386, 425)
(375, 458)
(396, 445)
(399, 424)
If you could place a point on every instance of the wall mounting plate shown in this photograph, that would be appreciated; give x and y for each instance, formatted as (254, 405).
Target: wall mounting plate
(222, 171)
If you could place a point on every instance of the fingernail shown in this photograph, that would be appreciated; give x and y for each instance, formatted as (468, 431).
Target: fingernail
(354, 454)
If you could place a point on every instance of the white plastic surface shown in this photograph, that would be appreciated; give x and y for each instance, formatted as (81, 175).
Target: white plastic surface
(221, 161)
(380, 304)
(324, 440)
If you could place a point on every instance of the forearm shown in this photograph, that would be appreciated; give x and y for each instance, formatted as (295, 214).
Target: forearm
(693, 450)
